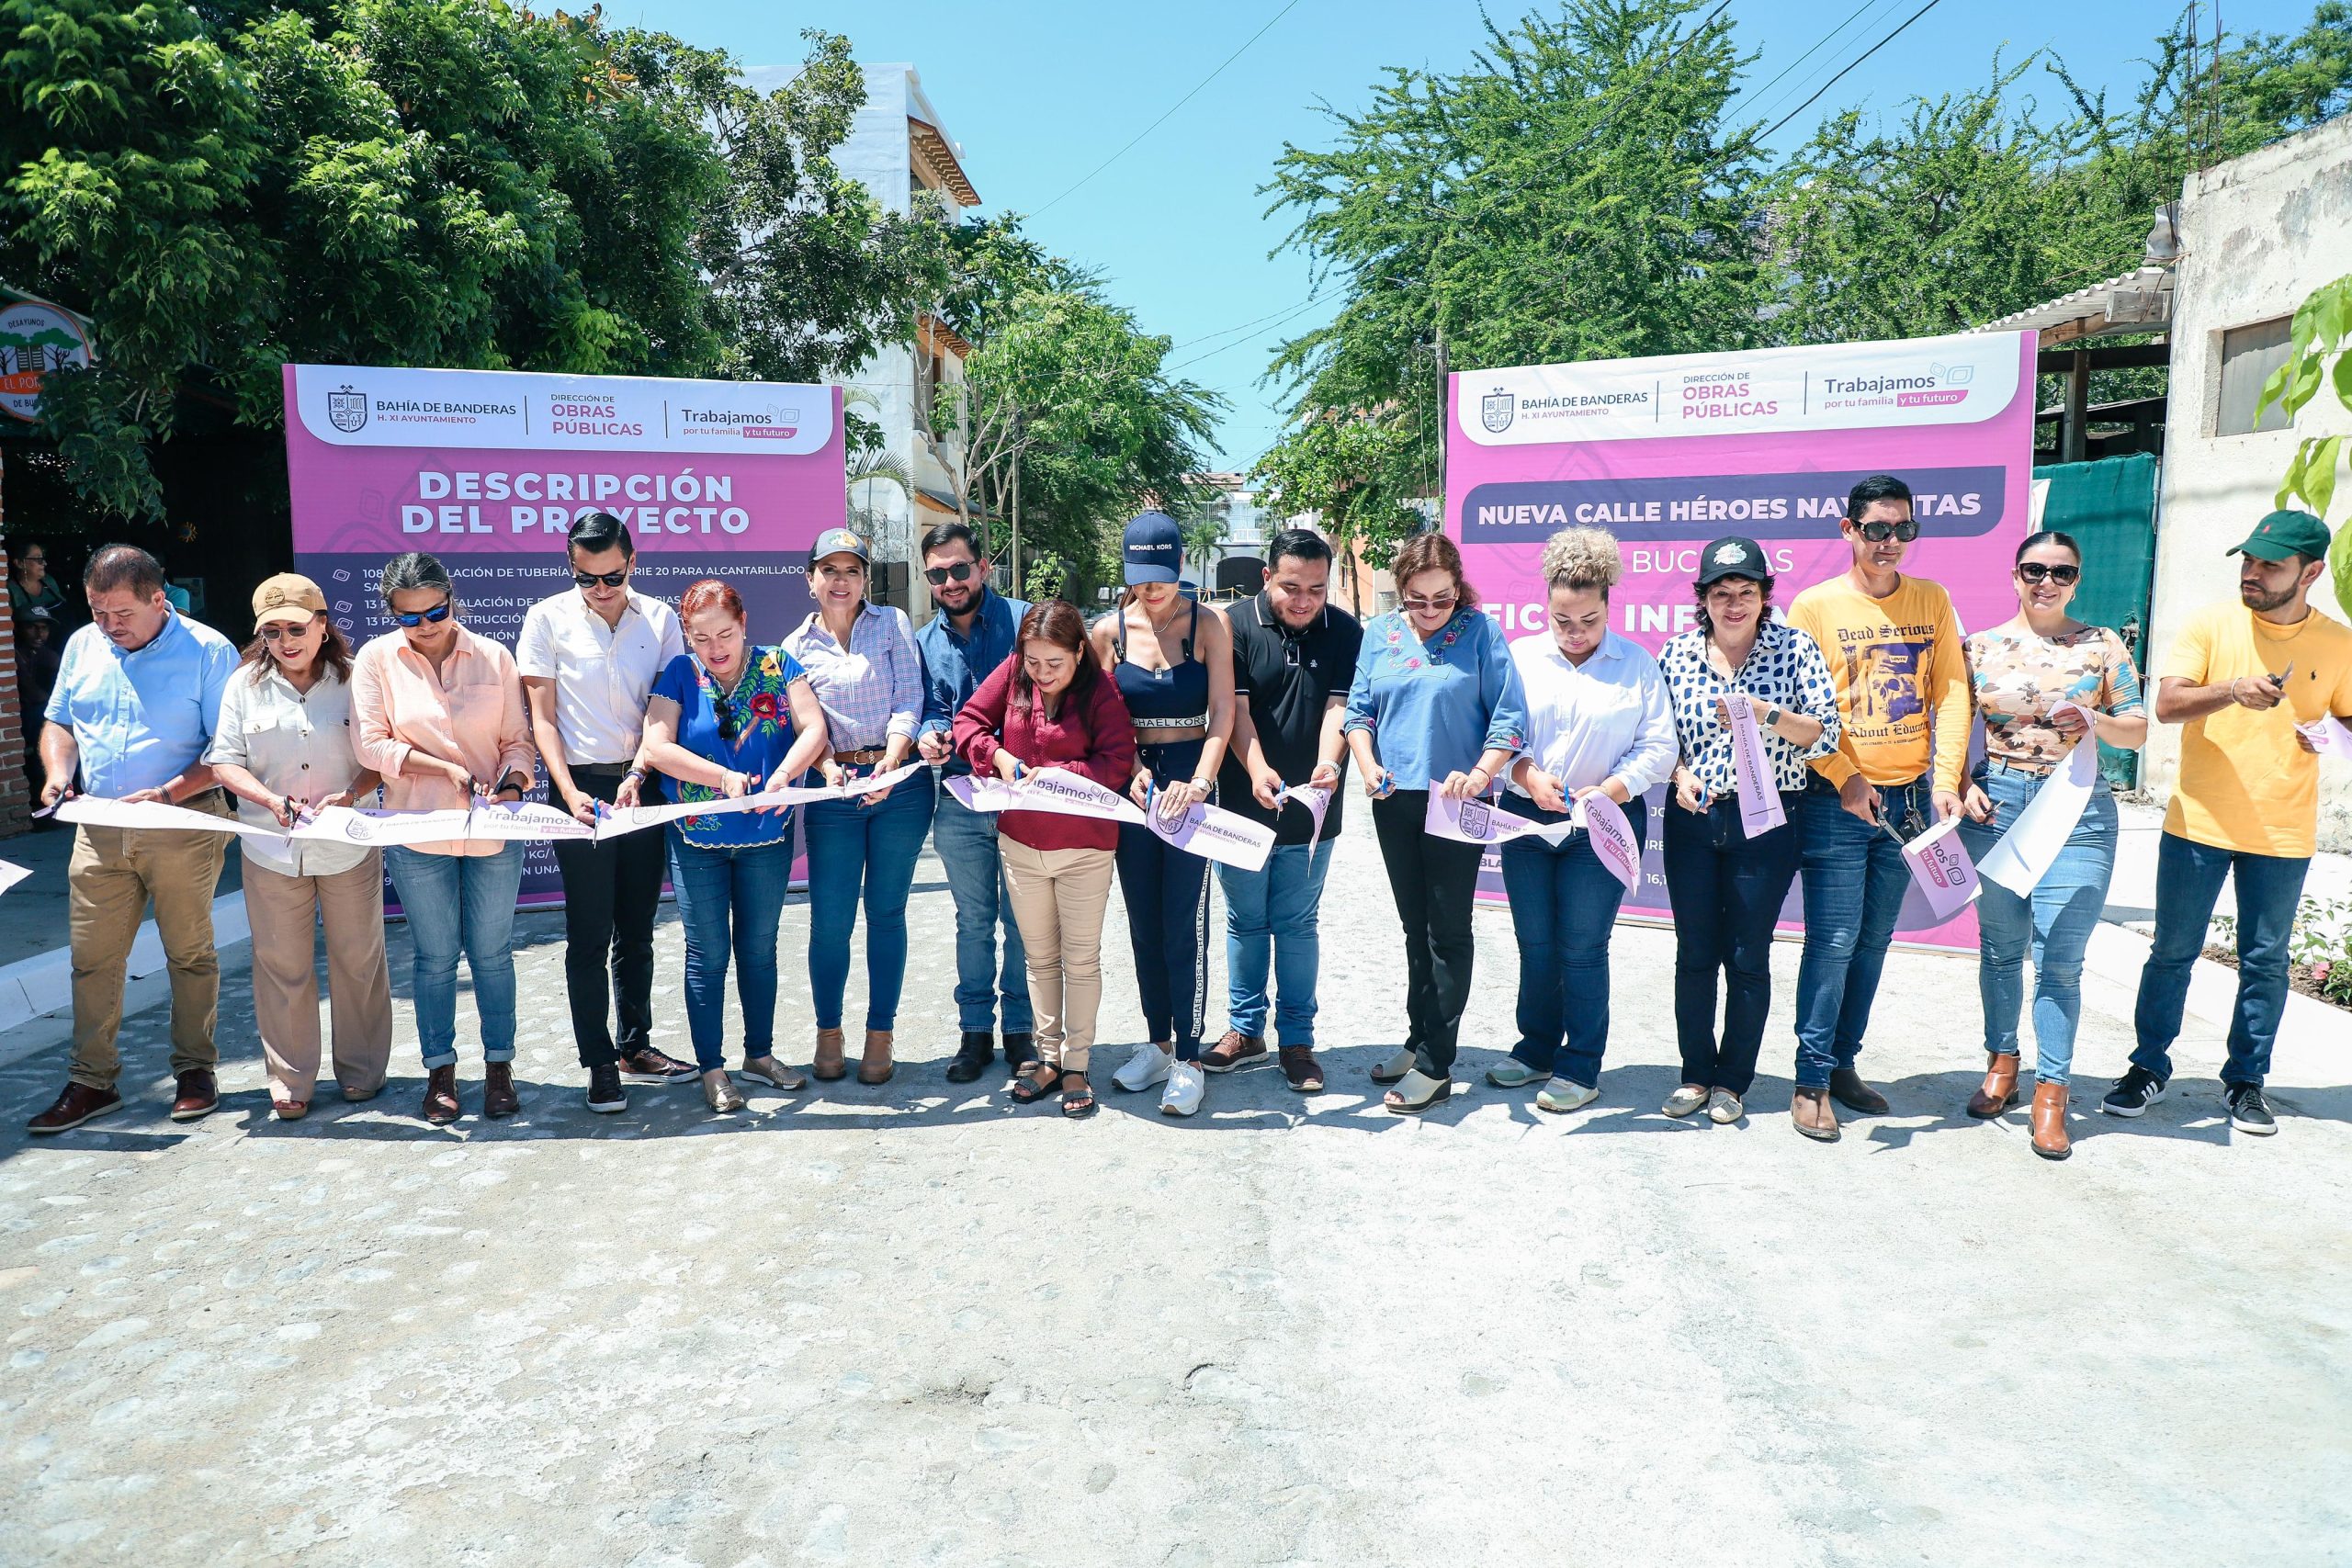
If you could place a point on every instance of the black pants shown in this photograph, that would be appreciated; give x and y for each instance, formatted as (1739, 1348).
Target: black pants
(1435, 881)
(611, 892)
(1726, 890)
(1167, 894)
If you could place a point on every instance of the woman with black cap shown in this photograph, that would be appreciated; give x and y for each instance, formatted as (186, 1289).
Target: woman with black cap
(1173, 666)
(1725, 887)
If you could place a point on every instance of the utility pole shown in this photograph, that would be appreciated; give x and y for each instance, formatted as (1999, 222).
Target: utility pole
(1444, 421)
(1019, 422)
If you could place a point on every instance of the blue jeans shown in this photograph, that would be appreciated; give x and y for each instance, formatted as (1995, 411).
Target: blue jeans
(731, 901)
(2056, 923)
(965, 840)
(1563, 903)
(1271, 927)
(1854, 884)
(2189, 880)
(459, 903)
(855, 848)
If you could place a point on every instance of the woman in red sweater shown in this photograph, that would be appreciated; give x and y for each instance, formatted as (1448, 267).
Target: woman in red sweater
(1051, 708)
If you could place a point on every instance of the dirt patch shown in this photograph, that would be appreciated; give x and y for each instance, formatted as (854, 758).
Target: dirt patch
(2299, 975)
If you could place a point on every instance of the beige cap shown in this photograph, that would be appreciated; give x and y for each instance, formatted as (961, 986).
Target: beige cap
(289, 596)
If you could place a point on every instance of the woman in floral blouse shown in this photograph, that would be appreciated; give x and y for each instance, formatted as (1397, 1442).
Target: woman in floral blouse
(1435, 707)
(2020, 673)
(1725, 887)
(726, 719)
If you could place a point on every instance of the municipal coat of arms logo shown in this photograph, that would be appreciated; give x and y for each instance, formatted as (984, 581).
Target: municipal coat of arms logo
(1477, 820)
(347, 410)
(1495, 411)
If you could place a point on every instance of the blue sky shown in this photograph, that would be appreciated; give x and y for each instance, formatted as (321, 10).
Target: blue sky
(1038, 94)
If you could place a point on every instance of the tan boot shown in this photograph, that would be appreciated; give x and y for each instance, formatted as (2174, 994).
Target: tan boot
(1999, 1090)
(827, 1063)
(875, 1066)
(2050, 1140)
(1810, 1111)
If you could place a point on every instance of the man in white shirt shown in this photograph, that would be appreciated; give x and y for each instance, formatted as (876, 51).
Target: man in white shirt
(589, 658)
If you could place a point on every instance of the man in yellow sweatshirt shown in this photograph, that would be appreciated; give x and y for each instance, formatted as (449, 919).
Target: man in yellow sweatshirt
(1894, 647)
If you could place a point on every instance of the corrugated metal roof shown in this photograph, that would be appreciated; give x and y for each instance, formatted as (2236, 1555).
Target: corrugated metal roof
(2136, 301)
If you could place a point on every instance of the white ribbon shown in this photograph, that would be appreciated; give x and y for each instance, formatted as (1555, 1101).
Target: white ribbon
(2025, 852)
(1055, 791)
(1479, 820)
(1759, 792)
(1214, 833)
(1315, 797)
(11, 874)
(1605, 824)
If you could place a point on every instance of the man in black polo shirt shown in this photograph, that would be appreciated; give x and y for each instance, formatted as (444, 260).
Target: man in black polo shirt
(1293, 659)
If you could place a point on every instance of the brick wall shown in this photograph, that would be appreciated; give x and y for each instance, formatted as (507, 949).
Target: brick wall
(15, 797)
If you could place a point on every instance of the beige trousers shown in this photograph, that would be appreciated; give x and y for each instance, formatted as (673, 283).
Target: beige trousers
(111, 876)
(285, 912)
(1058, 901)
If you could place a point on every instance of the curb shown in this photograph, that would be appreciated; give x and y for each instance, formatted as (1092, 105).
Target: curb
(2118, 953)
(37, 987)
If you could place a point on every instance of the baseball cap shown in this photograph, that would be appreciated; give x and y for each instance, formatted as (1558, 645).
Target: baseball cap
(1155, 549)
(838, 542)
(1732, 556)
(2284, 533)
(289, 596)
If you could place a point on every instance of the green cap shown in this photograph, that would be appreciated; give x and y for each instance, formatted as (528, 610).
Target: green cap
(2284, 533)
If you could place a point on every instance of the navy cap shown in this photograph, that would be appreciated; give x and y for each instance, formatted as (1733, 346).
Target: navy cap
(1732, 556)
(1155, 549)
(838, 542)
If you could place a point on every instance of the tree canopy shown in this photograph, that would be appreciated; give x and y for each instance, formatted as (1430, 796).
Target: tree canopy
(228, 186)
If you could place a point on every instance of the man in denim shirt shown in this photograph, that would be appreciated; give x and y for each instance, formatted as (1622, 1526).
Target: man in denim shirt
(974, 632)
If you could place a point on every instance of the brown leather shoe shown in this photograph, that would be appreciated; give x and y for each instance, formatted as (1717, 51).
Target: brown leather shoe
(498, 1096)
(198, 1094)
(1233, 1050)
(1810, 1109)
(2000, 1088)
(2050, 1140)
(1847, 1087)
(875, 1066)
(1299, 1066)
(441, 1095)
(827, 1062)
(77, 1104)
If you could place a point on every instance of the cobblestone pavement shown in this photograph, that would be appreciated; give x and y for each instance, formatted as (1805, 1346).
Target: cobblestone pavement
(914, 1325)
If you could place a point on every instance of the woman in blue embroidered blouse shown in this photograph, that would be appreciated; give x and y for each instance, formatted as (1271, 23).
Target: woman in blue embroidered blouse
(1435, 707)
(726, 719)
(1725, 887)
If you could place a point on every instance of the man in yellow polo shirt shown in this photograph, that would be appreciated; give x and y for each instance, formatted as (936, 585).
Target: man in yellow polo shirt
(2241, 676)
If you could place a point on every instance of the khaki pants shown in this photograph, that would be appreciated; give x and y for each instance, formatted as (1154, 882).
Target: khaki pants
(284, 912)
(1058, 901)
(112, 874)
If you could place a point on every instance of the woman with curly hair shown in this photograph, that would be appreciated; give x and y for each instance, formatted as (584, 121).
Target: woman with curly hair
(1435, 707)
(1598, 723)
(725, 721)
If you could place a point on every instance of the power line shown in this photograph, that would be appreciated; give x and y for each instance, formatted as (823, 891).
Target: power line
(1179, 104)
(1758, 96)
(1850, 65)
(1285, 316)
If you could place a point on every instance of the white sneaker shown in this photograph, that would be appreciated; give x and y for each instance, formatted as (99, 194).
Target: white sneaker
(1564, 1094)
(1186, 1084)
(1512, 1073)
(1148, 1066)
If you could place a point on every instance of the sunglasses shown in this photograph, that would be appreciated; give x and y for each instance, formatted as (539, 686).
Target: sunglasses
(438, 614)
(1429, 606)
(2063, 576)
(730, 723)
(960, 572)
(609, 578)
(1879, 533)
(277, 631)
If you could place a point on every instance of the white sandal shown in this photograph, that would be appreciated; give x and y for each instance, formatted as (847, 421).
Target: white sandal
(1397, 1066)
(1417, 1091)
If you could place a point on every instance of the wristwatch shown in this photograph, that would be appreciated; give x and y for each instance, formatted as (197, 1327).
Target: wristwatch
(1200, 785)
(1772, 716)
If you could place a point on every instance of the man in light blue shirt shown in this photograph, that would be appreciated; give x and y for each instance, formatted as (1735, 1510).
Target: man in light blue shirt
(138, 693)
(962, 645)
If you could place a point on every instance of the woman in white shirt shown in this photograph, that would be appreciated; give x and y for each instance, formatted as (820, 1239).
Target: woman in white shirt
(1598, 722)
(283, 745)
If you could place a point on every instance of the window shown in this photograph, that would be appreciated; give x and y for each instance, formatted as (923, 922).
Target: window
(2249, 356)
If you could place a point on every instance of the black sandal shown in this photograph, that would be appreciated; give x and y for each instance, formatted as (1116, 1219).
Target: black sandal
(1030, 1091)
(1078, 1101)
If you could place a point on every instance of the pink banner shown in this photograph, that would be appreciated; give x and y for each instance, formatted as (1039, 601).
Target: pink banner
(1670, 453)
(487, 469)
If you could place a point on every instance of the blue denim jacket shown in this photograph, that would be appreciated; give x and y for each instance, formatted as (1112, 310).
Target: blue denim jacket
(1433, 706)
(954, 666)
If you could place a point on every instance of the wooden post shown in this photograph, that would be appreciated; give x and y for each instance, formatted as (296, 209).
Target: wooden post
(1018, 421)
(2074, 442)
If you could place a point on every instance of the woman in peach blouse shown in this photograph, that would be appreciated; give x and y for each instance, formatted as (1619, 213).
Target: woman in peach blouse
(440, 716)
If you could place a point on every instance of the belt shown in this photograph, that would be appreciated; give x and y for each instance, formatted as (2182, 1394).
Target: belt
(1996, 764)
(872, 754)
(600, 769)
(1148, 733)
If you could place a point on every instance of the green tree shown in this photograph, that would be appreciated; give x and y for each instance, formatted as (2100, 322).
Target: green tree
(227, 187)
(1575, 194)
